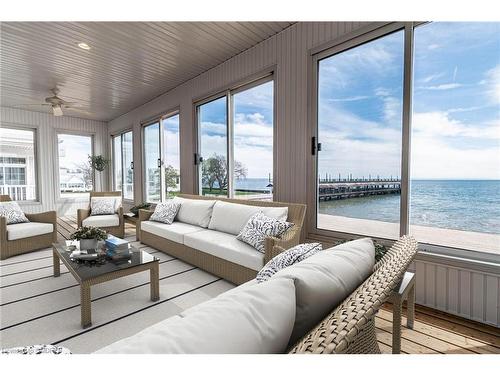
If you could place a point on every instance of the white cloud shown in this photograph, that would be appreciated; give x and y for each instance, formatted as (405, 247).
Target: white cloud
(350, 99)
(431, 77)
(493, 81)
(444, 86)
(433, 46)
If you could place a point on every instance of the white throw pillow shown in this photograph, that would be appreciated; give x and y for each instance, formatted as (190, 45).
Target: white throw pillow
(195, 211)
(257, 319)
(102, 207)
(259, 227)
(231, 217)
(12, 213)
(325, 279)
(287, 258)
(165, 212)
(117, 201)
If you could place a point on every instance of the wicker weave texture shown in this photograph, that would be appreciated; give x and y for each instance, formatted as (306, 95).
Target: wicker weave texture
(350, 327)
(119, 230)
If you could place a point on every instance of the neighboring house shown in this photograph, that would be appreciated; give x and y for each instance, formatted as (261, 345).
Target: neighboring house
(17, 166)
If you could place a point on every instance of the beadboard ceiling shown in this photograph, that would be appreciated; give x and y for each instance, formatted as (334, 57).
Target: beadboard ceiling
(129, 63)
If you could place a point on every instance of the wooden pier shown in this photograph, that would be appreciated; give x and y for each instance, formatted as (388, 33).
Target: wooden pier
(335, 190)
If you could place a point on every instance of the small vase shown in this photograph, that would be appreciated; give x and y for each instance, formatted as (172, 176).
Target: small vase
(88, 244)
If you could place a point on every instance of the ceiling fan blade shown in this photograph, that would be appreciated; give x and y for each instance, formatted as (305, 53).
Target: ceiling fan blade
(57, 110)
(30, 104)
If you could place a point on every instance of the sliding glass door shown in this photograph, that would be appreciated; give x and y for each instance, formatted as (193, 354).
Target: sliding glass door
(236, 143)
(162, 159)
(407, 136)
(152, 163)
(360, 94)
(123, 165)
(213, 147)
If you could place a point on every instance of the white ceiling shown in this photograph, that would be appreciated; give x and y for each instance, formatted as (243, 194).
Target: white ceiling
(129, 63)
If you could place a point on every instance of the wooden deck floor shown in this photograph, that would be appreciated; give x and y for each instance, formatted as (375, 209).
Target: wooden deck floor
(434, 332)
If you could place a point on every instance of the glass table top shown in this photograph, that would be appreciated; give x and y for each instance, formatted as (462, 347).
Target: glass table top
(102, 264)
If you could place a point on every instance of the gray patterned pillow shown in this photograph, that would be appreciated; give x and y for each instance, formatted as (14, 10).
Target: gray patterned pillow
(287, 258)
(37, 349)
(13, 213)
(260, 226)
(165, 212)
(102, 206)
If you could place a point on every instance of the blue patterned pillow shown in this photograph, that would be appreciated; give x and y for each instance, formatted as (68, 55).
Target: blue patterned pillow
(260, 226)
(37, 349)
(165, 212)
(102, 206)
(12, 213)
(291, 256)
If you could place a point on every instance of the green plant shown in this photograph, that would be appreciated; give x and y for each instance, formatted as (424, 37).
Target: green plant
(89, 233)
(98, 162)
(380, 249)
(135, 209)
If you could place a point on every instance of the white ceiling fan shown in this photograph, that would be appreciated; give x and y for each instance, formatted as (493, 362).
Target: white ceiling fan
(55, 102)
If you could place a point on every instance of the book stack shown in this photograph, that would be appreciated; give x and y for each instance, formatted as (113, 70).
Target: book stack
(116, 248)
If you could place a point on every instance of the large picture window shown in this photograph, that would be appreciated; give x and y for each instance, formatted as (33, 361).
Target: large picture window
(162, 158)
(236, 143)
(17, 164)
(123, 165)
(76, 177)
(455, 151)
(407, 137)
(360, 94)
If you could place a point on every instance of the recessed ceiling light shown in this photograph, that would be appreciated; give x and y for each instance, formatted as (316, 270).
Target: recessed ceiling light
(84, 46)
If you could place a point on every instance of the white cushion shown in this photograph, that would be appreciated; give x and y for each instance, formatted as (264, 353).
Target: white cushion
(173, 232)
(101, 221)
(232, 217)
(225, 246)
(195, 211)
(325, 279)
(257, 319)
(117, 201)
(24, 230)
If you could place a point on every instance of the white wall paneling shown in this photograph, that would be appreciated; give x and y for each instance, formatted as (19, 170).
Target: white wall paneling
(47, 126)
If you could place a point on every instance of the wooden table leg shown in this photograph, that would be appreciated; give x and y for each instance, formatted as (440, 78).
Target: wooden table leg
(154, 281)
(397, 308)
(55, 260)
(85, 305)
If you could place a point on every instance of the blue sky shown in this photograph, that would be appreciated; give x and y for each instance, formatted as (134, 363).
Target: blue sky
(253, 129)
(456, 130)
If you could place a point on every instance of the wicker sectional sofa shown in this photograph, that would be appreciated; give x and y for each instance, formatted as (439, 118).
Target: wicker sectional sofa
(211, 327)
(227, 267)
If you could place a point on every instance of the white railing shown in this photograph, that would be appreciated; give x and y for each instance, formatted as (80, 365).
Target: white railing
(19, 192)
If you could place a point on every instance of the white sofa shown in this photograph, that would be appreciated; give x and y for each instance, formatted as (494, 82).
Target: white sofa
(205, 229)
(267, 317)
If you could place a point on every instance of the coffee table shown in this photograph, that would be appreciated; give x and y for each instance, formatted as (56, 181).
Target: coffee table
(88, 275)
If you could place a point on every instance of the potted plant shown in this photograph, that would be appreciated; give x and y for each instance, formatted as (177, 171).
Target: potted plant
(135, 209)
(88, 237)
(98, 162)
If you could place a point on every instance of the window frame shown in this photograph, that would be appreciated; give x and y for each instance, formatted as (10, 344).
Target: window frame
(112, 177)
(144, 124)
(345, 43)
(36, 157)
(58, 197)
(268, 75)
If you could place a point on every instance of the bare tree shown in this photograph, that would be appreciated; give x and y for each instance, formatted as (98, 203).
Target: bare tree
(214, 169)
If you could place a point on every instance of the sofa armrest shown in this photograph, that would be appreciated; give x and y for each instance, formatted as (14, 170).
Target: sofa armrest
(81, 214)
(289, 239)
(43, 217)
(144, 215)
(3, 234)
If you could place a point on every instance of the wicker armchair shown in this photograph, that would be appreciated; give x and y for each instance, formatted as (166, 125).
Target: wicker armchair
(28, 244)
(119, 230)
(350, 328)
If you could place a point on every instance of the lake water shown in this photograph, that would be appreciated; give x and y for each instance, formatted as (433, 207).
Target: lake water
(468, 205)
